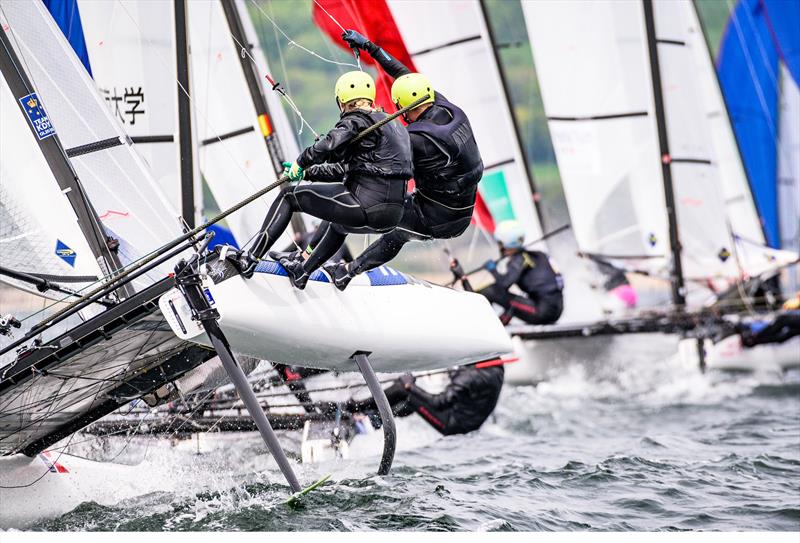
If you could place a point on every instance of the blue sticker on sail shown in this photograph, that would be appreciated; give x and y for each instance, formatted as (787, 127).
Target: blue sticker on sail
(65, 253)
(37, 116)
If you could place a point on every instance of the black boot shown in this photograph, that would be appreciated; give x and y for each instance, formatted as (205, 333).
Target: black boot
(294, 269)
(246, 263)
(339, 275)
(277, 256)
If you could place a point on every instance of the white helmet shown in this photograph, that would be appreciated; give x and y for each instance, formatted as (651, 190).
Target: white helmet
(510, 234)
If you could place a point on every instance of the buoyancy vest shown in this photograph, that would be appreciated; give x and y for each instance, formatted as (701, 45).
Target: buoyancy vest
(451, 180)
(539, 278)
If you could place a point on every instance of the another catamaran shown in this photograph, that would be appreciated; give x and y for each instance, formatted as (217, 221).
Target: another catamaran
(638, 122)
(60, 375)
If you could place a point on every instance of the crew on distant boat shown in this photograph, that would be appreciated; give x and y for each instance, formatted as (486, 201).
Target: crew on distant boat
(531, 271)
(356, 187)
(782, 327)
(621, 294)
(447, 167)
(463, 406)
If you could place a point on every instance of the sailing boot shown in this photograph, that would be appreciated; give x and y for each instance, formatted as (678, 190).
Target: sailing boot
(339, 274)
(277, 256)
(297, 275)
(246, 263)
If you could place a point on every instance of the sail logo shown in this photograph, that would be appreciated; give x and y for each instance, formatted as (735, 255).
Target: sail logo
(65, 253)
(37, 116)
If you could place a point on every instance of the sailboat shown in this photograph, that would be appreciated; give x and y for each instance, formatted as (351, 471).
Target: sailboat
(651, 171)
(115, 340)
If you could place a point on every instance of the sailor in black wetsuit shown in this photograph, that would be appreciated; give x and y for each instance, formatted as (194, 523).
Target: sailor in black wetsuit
(447, 167)
(356, 187)
(461, 407)
(532, 272)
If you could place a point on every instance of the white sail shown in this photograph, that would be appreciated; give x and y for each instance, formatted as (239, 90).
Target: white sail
(233, 154)
(789, 169)
(122, 191)
(601, 123)
(131, 49)
(39, 232)
(697, 172)
(450, 45)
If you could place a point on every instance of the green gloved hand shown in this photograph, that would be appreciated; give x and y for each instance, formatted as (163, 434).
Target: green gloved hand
(293, 171)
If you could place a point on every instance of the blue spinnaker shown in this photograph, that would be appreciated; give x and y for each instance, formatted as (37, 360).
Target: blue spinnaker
(748, 74)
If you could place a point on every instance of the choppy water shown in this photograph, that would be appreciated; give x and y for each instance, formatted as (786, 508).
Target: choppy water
(643, 444)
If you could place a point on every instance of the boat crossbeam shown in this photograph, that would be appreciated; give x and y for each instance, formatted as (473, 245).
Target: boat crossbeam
(384, 409)
(189, 281)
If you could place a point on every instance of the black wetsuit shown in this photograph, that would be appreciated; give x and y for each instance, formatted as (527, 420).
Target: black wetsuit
(304, 241)
(447, 168)
(532, 272)
(462, 407)
(356, 187)
(783, 327)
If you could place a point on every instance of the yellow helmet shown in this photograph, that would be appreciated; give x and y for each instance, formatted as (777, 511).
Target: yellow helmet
(354, 85)
(411, 87)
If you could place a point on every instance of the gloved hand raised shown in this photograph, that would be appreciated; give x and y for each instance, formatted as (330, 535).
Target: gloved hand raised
(293, 171)
(490, 265)
(355, 39)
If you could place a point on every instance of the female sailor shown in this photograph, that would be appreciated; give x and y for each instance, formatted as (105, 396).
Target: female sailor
(357, 187)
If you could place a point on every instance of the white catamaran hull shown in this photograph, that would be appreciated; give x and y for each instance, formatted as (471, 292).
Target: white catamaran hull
(730, 355)
(49, 485)
(405, 324)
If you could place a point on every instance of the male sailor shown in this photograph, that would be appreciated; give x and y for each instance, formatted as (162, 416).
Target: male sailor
(531, 271)
(463, 406)
(447, 167)
(357, 187)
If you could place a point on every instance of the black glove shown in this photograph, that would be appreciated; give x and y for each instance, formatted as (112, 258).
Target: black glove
(406, 380)
(355, 39)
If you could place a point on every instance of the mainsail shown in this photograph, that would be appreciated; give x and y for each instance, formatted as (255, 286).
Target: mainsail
(39, 230)
(133, 53)
(240, 150)
(124, 194)
(235, 138)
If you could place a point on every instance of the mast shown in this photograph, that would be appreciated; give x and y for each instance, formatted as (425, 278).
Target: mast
(59, 164)
(676, 272)
(259, 101)
(514, 121)
(185, 150)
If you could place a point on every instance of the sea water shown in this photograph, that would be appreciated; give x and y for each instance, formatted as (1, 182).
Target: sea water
(641, 442)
